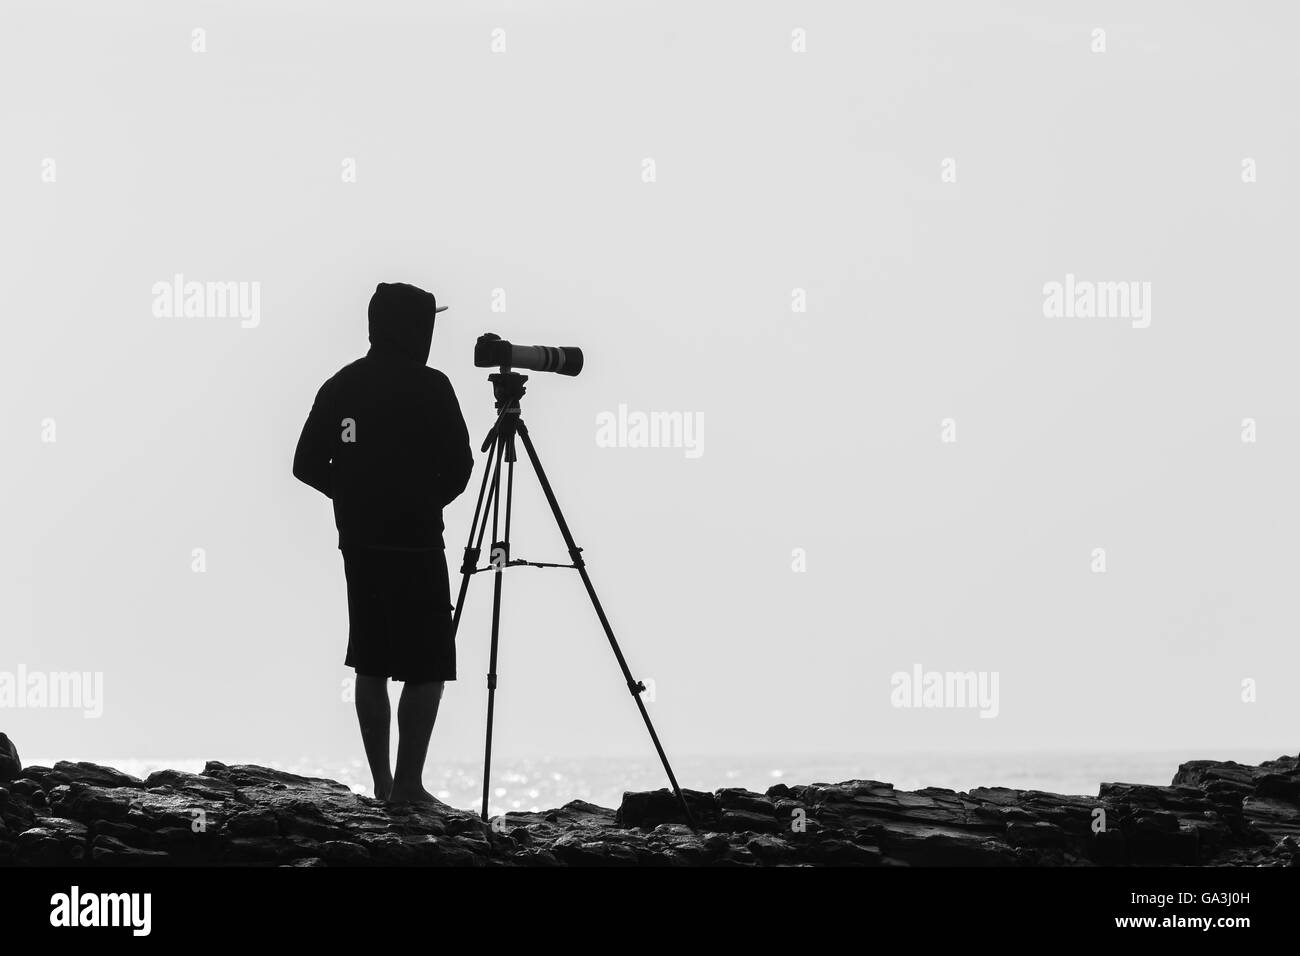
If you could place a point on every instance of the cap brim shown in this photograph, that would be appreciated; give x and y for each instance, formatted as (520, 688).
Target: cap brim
(441, 308)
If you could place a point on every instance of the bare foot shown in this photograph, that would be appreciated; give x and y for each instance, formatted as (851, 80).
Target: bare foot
(406, 794)
(382, 790)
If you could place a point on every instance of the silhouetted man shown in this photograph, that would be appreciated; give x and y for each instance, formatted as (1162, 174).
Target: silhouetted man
(386, 441)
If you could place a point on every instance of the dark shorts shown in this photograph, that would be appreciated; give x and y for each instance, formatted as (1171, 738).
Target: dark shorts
(399, 614)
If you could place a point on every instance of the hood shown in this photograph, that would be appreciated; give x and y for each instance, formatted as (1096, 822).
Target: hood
(401, 321)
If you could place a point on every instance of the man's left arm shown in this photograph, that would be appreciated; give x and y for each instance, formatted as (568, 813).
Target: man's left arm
(311, 461)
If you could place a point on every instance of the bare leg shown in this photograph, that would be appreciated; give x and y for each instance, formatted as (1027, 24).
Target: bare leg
(416, 712)
(373, 713)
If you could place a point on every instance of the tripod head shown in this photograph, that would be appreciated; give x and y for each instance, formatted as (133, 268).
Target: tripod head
(507, 387)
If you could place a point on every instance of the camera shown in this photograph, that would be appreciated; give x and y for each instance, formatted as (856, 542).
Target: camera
(492, 351)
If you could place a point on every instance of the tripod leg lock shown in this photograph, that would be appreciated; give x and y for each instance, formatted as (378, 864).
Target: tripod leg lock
(471, 561)
(636, 687)
(576, 554)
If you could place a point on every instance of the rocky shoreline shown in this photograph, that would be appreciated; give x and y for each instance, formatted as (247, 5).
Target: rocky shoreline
(1212, 814)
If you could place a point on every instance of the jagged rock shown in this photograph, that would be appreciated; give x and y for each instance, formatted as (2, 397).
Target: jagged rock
(107, 851)
(576, 850)
(342, 852)
(768, 849)
(90, 804)
(742, 811)
(138, 837)
(204, 786)
(1037, 834)
(653, 807)
(1274, 815)
(11, 767)
(253, 823)
(25, 787)
(41, 846)
(1212, 814)
(90, 773)
(744, 821)
(834, 851)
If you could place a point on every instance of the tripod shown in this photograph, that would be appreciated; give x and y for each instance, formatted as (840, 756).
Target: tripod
(508, 389)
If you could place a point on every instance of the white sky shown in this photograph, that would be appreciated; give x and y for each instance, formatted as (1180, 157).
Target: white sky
(775, 170)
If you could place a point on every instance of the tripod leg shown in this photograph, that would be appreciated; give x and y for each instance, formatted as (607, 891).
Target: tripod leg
(473, 546)
(500, 556)
(633, 685)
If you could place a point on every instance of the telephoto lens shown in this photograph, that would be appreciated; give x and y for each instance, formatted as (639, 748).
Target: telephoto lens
(491, 350)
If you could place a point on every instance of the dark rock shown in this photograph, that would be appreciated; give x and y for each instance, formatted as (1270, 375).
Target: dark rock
(11, 767)
(1284, 787)
(734, 798)
(745, 821)
(43, 846)
(747, 812)
(341, 853)
(648, 809)
(89, 773)
(423, 849)
(770, 850)
(1278, 817)
(1213, 814)
(131, 835)
(474, 825)
(255, 850)
(185, 845)
(388, 849)
(198, 784)
(715, 842)
(25, 787)
(834, 851)
(89, 803)
(739, 856)
(37, 773)
(1037, 834)
(449, 855)
(107, 851)
(252, 823)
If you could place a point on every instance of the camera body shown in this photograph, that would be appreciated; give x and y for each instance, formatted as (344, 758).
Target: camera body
(492, 351)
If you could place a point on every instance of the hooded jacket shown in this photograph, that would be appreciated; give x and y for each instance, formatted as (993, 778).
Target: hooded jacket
(385, 439)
